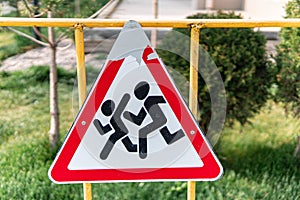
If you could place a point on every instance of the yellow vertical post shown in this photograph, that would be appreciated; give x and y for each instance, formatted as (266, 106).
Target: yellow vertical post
(81, 77)
(81, 74)
(193, 94)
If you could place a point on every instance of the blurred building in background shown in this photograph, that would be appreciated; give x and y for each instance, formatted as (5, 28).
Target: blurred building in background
(254, 9)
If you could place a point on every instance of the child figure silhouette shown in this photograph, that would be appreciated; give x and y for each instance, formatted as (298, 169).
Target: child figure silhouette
(151, 104)
(116, 123)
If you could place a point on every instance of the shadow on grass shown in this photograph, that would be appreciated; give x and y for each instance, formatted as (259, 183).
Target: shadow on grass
(258, 160)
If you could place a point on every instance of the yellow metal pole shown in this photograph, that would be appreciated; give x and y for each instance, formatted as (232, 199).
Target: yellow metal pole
(81, 77)
(193, 95)
(194, 56)
(81, 74)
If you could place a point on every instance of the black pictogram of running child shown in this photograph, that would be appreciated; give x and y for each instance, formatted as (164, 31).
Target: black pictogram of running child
(116, 123)
(151, 104)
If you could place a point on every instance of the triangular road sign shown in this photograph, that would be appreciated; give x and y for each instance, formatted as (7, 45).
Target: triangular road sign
(134, 125)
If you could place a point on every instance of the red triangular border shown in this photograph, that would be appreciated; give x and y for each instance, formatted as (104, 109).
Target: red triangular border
(60, 173)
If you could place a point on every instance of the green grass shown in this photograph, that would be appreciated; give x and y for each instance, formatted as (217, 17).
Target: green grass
(257, 158)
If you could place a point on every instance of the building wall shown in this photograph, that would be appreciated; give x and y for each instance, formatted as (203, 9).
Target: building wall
(268, 9)
(274, 9)
(228, 4)
(198, 4)
(218, 4)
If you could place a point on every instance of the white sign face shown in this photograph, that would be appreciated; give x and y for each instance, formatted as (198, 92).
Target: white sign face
(180, 153)
(134, 125)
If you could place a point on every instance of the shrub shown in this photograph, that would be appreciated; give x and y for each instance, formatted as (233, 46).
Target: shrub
(287, 59)
(240, 57)
(22, 42)
(8, 44)
(35, 74)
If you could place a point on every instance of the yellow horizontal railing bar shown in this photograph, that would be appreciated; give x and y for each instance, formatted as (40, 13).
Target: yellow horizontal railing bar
(183, 23)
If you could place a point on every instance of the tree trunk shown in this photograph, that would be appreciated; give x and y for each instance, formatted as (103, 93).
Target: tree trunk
(297, 150)
(77, 8)
(54, 112)
(154, 31)
(17, 8)
(36, 12)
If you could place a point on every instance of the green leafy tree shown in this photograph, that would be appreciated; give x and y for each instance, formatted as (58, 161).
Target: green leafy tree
(51, 8)
(241, 59)
(288, 62)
